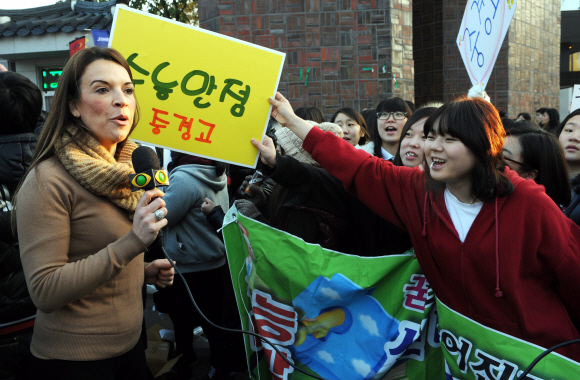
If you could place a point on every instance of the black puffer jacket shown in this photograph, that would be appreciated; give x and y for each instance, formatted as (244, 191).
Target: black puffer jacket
(15, 157)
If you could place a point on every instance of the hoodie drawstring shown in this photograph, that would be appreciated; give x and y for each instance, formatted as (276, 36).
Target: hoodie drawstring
(425, 215)
(498, 292)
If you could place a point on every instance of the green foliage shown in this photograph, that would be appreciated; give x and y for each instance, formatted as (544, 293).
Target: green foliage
(180, 10)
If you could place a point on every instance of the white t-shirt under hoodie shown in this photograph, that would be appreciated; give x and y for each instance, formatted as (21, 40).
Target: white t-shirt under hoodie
(462, 214)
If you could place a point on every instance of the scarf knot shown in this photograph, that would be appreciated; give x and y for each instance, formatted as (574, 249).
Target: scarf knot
(94, 168)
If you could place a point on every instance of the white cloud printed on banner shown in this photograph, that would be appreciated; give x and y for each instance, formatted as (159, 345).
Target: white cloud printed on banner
(483, 29)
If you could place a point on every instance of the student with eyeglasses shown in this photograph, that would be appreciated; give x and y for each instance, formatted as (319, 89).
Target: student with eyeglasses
(392, 114)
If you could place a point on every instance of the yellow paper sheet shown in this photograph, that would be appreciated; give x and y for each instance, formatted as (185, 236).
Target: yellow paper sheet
(199, 92)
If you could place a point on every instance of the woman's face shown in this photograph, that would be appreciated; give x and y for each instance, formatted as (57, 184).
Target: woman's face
(542, 118)
(570, 139)
(412, 145)
(390, 128)
(351, 129)
(449, 160)
(107, 103)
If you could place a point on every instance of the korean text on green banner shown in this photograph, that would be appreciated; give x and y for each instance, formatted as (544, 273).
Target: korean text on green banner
(338, 316)
(475, 352)
(481, 34)
(199, 92)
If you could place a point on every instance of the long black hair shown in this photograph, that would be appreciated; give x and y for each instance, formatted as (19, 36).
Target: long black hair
(542, 152)
(476, 123)
(393, 104)
(554, 116)
(310, 113)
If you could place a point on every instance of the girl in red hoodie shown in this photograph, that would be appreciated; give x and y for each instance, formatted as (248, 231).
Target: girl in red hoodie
(478, 229)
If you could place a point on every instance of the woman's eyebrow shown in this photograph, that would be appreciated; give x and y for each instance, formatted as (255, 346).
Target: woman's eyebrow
(99, 80)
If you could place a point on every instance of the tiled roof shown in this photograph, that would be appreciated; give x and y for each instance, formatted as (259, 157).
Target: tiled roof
(57, 17)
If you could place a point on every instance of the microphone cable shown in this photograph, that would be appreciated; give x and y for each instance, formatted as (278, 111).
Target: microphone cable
(262, 338)
(544, 354)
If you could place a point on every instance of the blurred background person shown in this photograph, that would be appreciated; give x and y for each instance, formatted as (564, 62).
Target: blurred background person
(548, 119)
(20, 106)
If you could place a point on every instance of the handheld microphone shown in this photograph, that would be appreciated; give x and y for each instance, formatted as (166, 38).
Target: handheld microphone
(148, 175)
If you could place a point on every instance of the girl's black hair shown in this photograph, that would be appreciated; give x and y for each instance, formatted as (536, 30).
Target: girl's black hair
(310, 113)
(220, 167)
(421, 113)
(358, 118)
(20, 104)
(392, 104)
(476, 123)
(541, 151)
(371, 121)
(525, 115)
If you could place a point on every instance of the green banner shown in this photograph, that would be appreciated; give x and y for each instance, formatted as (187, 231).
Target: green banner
(338, 316)
(475, 352)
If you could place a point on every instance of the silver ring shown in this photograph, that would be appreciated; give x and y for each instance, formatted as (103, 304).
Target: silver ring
(159, 214)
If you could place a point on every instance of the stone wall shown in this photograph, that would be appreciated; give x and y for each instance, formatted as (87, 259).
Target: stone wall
(352, 47)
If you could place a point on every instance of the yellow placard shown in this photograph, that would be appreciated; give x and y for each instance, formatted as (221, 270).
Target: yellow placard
(199, 92)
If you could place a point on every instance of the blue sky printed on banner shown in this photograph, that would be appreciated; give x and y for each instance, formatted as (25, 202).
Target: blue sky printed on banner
(353, 349)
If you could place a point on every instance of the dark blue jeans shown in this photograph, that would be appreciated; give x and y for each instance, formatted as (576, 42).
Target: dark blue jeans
(14, 353)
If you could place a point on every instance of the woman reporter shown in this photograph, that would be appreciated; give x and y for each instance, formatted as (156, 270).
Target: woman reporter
(478, 228)
(83, 232)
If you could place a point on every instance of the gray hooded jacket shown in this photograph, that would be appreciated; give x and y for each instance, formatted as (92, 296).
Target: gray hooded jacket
(189, 238)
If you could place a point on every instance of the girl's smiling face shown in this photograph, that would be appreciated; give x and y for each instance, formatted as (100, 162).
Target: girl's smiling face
(449, 160)
(412, 145)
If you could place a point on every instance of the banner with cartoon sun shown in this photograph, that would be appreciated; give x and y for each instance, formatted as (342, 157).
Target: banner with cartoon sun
(333, 315)
(343, 317)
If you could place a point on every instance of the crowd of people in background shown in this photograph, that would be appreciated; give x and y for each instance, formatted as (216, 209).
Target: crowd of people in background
(74, 239)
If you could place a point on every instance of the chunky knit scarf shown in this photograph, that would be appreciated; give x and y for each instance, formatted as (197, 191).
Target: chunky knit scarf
(98, 171)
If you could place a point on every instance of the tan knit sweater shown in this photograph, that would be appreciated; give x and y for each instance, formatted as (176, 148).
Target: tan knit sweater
(83, 265)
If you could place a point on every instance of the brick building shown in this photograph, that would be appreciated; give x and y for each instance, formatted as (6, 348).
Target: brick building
(352, 48)
(362, 51)
(526, 75)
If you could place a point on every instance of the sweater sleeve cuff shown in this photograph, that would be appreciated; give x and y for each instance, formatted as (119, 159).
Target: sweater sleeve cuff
(127, 247)
(313, 138)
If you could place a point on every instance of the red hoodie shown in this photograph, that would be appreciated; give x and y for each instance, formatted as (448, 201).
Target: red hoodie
(521, 242)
